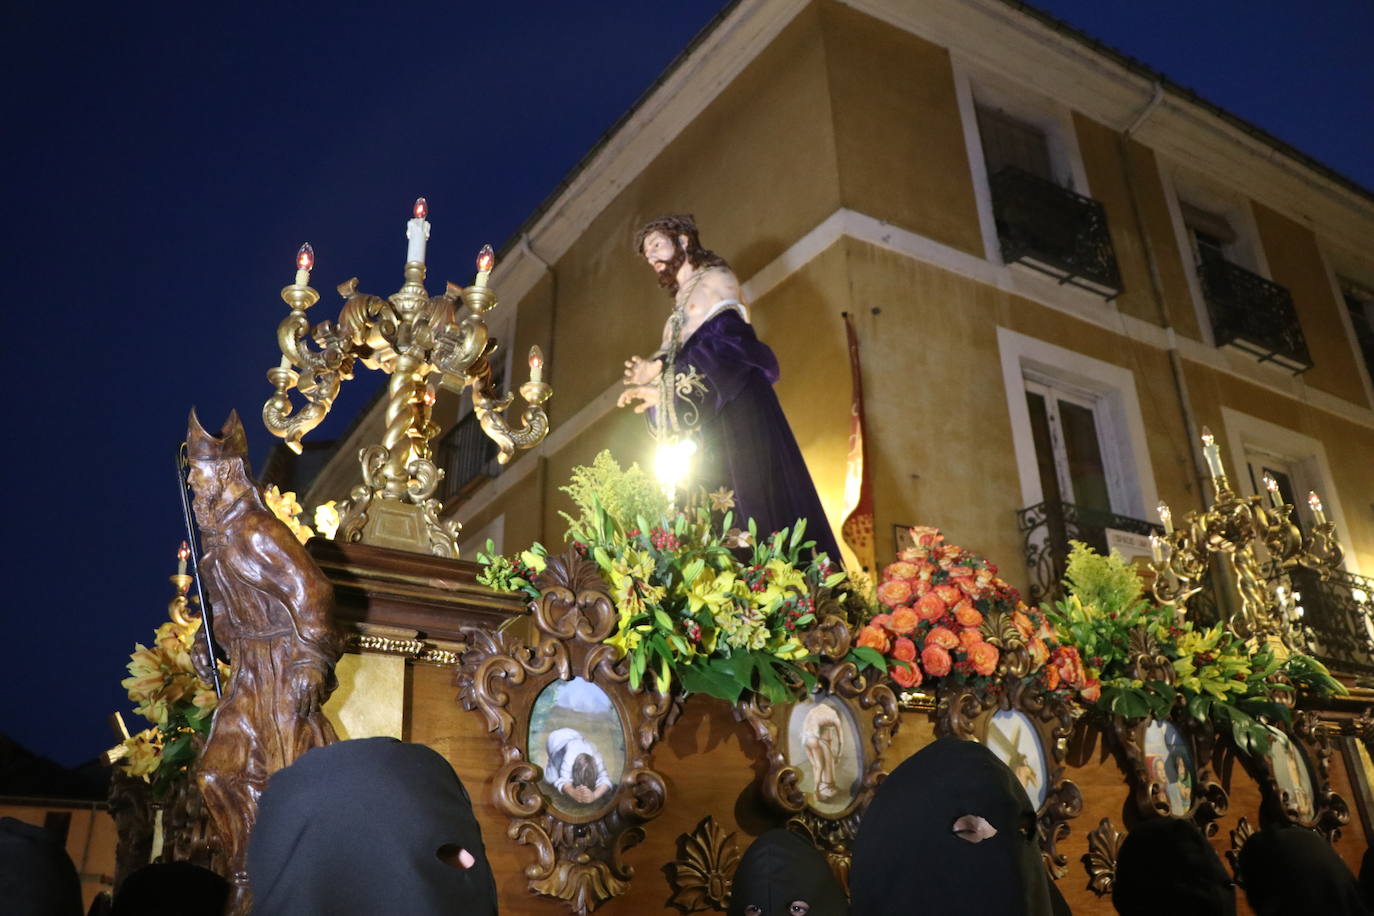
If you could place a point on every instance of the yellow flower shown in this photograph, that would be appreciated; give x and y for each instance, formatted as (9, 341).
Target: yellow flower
(722, 500)
(327, 519)
(145, 753)
(791, 650)
(285, 507)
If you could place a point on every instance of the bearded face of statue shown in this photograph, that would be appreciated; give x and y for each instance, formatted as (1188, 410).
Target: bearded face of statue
(666, 256)
(208, 490)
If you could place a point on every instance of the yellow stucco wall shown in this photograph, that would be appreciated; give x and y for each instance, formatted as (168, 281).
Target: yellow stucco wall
(1295, 262)
(897, 130)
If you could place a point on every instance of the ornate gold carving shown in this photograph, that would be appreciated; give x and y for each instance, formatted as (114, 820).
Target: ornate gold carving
(704, 871)
(1209, 800)
(967, 714)
(1242, 832)
(1104, 844)
(577, 860)
(417, 649)
(873, 707)
(1148, 659)
(414, 338)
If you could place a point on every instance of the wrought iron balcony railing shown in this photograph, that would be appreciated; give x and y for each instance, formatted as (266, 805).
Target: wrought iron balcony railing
(466, 454)
(1253, 314)
(1055, 231)
(1046, 530)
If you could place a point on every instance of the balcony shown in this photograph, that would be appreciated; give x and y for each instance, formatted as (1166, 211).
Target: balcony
(1253, 314)
(466, 455)
(1046, 530)
(1054, 231)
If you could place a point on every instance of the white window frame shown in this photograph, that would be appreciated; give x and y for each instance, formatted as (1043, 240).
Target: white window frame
(1246, 251)
(1120, 424)
(1054, 388)
(1307, 456)
(976, 86)
(1348, 270)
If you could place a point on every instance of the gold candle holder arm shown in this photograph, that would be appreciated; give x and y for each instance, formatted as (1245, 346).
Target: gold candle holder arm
(491, 407)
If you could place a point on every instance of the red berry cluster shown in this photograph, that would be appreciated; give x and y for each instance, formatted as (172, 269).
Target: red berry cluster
(794, 608)
(663, 540)
(756, 577)
(580, 549)
(694, 631)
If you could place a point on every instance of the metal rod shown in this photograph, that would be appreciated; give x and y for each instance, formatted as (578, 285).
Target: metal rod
(193, 543)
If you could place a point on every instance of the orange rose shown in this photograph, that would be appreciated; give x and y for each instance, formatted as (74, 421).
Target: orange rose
(1023, 624)
(969, 638)
(904, 650)
(967, 614)
(936, 661)
(900, 570)
(960, 572)
(881, 620)
(1092, 691)
(930, 607)
(1069, 665)
(926, 537)
(904, 620)
(905, 674)
(943, 637)
(912, 555)
(1039, 652)
(969, 586)
(874, 638)
(948, 594)
(894, 592)
(1051, 678)
(921, 587)
(984, 658)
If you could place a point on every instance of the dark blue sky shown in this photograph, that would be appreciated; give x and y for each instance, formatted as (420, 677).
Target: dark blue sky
(163, 162)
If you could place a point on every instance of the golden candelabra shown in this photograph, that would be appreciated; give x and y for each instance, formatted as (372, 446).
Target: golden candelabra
(1248, 544)
(417, 339)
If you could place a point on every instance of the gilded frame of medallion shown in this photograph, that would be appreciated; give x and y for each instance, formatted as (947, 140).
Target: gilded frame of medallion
(873, 712)
(1207, 800)
(578, 858)
(1358, 766)
(966, 713)
(1310, 737)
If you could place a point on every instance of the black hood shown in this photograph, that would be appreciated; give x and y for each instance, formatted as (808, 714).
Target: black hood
(779, 868)
(1166, 865)
(358, 827)
(908, 859)
(1291, 870)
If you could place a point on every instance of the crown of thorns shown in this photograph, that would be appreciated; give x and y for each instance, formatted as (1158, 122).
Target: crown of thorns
(672, 226)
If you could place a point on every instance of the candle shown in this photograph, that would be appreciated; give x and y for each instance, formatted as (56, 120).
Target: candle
(1212, 452)
(536, 364)
(417, 231)
(305, 262)
(486, 260)
(1156, 550)
(1166, 517)
(1315, 503)
(183, 552)
(1272, 485)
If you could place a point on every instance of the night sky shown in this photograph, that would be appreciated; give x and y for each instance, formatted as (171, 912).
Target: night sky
(163, 163)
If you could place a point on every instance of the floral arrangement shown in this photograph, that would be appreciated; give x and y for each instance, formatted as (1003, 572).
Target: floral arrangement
(285, 507)
(163, 684)
(690, 609)
(1215, 675)
(941, 608)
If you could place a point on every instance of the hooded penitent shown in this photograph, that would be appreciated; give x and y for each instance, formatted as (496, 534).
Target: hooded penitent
(781, 869)
(949, 831)
(1290, 870)
(368, 826)
(1166, 866)
(37, 877)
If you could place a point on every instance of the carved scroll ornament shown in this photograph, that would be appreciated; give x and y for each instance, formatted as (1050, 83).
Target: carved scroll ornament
(1295, 776)
(579, 831)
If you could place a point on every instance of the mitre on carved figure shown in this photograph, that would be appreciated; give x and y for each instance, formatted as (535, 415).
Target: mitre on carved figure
(232, 442)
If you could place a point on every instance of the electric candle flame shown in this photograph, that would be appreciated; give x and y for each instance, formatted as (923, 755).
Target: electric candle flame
(1166, 517)
(1212, 453)
(305, 257)
(430, 396)
(183, 554)
(1272, 486)
(421, 208)
(1207, 437)
(486, 260)
(536, 364)
(1315, 503)
(673, 463)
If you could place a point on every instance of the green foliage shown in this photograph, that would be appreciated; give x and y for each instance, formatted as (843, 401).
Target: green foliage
(1217, 677)
(699, 601)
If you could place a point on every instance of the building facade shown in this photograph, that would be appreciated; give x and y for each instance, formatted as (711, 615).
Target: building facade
(1061, 268)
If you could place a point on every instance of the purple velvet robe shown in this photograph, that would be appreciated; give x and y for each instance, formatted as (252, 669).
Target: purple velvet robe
(747, 445)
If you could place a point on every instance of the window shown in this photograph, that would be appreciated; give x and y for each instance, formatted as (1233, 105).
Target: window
(1008, 141)
(1210, 234)
(1360, 303)
(1069, 451)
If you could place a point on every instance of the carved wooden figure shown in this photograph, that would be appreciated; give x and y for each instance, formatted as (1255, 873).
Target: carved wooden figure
(273, 617)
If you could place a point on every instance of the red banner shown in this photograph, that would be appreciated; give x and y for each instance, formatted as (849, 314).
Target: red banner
(857, 529)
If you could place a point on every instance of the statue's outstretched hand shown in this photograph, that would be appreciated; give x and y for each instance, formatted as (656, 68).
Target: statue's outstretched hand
(642, 371)
(646, 395)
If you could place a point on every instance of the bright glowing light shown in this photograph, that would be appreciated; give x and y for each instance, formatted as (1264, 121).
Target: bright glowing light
(421, 208)
(1359, 595)
(673, 462)
(486, 259)
(1314, 501)
(184, 551)
(305, 257)
(1207, 437)
(1271, 484)
(536, 364)
(1166, 517)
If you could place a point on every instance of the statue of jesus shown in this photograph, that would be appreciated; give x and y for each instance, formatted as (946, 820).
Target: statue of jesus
(726, 373)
